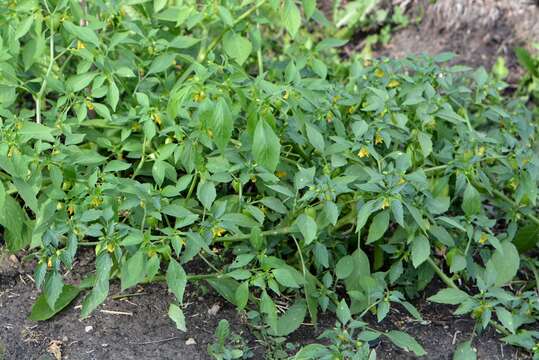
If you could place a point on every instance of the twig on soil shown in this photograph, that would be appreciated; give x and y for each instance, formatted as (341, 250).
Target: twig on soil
(112, 312)
(123, 296)
(155, 341)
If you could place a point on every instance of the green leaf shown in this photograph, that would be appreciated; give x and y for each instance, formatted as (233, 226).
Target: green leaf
(266, 146)
(242, 295)
(31, 130)
(85, 34)
(133, 270)
(158, 5)
(237, 47)
(504, 264)
(471, 202)
(2, 197)
(526, 61)
(308, 228)
(465, 351)
(420, 250)
(78, 82)
(161, 63)
(53, 288)
(27, 192)
(449, 296)
(101, 287)
(13, 219)
(343, 312)
(42, 311)
(291, 17)
(176, 279)
(406, 342)
(116, 165)
(285, 278)
(309, 7)
(176, 314)
(378, 227)
(344, 267)
(315, 137)
(221, 123)
(226, 287)
(425, 142)
(292, 319)
(158, 171)
(506, 318)
(206, 193)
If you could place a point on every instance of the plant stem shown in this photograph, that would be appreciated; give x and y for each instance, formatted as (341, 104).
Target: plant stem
(234, 238)
(446, 279)
(39, 97)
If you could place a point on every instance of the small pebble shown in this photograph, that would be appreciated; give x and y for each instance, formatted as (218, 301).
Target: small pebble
(190, 341)
(88, 328)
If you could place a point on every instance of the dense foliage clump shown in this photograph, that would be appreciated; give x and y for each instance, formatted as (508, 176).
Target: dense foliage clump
(161, 134)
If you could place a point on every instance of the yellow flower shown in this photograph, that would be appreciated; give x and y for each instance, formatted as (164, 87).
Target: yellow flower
(253, 178)
(210, 133)
(110, 247)
(402, 181)
(379, 73)
(363, 152)
(80, 45)
(218, 231)
(280, 173)
(89, 105)
(393, 84)
(481, 151)
(483, 238)
(367, 62)
(96, 201)
(329, 117)
(385, 204)
(378, 139)
(49, 263)
(156, 118)
(286, 95)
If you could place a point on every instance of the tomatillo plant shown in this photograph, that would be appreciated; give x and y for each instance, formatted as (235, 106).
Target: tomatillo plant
(159, 133)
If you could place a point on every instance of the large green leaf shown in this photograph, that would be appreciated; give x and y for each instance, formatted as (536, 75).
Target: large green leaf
(266, 146)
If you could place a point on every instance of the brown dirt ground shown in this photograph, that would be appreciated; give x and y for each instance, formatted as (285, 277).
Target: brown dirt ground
(149, 334)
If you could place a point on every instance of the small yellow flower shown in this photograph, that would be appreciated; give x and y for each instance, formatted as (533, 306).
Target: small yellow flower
(393, 84)
(329, 117)
(351, 109)
(218, 231)
(156, 118)
(96, 201)
(286, 95)
(280, 174)
(89, 105)
(49, 263)
(481, 151)
(385, 204)
(80, 45)
(379, 73)
(378, 139)
(402, 181)
(367, 62)
(210, 133)
(253, 178)
(198, 97)
(110, 247)
(60, 206)
(70, 210)
(336, 98)
(483, 238)
(363, 152)
(135, 127)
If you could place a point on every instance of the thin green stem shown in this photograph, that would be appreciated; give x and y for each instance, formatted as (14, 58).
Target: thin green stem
(446, 279)
(273, 232)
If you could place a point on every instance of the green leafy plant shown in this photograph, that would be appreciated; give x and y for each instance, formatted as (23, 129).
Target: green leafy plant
(529, 83)
(162, 133)
(228, 346)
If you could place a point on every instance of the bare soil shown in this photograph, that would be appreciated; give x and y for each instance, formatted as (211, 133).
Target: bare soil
(138, 327)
